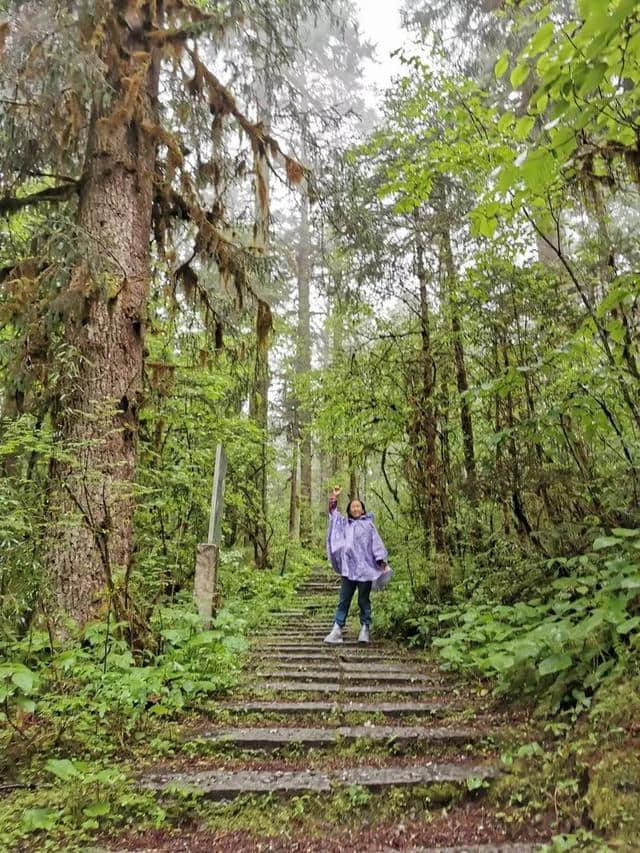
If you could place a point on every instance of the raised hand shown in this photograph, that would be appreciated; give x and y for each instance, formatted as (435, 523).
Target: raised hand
(337, 491)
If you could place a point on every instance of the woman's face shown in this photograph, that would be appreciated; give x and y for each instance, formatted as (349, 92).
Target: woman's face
(356, 509)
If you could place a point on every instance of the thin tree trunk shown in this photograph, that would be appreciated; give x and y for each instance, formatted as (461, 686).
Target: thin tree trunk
(259, 412)
(466, 423)
(293, 494)
(426, 449)
(354, 490)
(303, 366)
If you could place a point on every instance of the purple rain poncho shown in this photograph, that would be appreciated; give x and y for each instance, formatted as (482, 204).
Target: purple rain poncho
(354, 545)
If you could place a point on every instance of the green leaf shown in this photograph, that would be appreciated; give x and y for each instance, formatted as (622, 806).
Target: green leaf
(524, 126)
(23, 678)
(632, 582)
(541, 40)
(474, 783)
(505, 122)
(592, 79)
(628, 625)
(34, 819)
(63, 768)
(97, 809)
(500, 662)
(554, 663)
(605, 542)
(501, 65)
(519, 75)
(625, 533)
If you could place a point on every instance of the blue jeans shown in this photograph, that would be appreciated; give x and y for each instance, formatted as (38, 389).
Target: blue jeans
(346, 594)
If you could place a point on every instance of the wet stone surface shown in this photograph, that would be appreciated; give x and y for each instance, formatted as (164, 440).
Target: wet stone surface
(379, 696)
(225, 783)
(391, 709)
(315, 737)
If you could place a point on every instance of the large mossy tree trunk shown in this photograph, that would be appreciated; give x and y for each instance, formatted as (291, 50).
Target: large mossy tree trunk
(90, 542)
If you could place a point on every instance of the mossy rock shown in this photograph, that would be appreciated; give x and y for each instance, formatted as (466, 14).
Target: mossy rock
(613, 795)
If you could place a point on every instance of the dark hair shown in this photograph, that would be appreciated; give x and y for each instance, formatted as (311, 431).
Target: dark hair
(349, 506)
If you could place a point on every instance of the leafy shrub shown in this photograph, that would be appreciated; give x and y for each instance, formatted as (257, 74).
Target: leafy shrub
(566, 643)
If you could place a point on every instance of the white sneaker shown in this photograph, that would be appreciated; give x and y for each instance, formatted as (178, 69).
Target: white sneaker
(363, 636)
(335, 636)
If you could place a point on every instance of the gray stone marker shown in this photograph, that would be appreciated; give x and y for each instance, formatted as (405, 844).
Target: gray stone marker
(207, 554)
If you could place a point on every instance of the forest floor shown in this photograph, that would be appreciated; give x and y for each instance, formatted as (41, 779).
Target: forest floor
(341, 748)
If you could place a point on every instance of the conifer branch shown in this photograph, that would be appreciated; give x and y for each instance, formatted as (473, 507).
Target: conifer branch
(10, 204)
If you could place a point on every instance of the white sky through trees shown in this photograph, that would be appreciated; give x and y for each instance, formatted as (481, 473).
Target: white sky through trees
(380, 24)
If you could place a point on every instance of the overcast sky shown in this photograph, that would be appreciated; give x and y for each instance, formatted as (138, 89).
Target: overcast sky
(380, 24)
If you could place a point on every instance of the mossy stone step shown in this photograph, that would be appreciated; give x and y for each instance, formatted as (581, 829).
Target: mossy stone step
(275, 738)
(335, 687)
(301, 665)
(347, 657)
(472, 848)
(225, 784)
(372, 675)
(291, 647)
(388, 709)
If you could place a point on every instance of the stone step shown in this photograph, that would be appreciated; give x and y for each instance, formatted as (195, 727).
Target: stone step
(311, 647)
(389, 665)
(388, 709)
(357, 664)
(306, 621)
(472, 848)
(350, 677)
(291, 626)
(335, 687)
(224, 784)
(292, 637)
(346, 658)
(275, 738)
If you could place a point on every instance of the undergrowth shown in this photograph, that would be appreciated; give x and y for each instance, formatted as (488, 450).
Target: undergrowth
(78, 716)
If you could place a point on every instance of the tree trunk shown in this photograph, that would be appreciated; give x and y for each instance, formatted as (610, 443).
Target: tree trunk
(353, 482)
(90, 543)
(337, 345)
(259, 397)
(466, 424)
(303, 366)
(293, 494)
(259, 412)
(426, 434)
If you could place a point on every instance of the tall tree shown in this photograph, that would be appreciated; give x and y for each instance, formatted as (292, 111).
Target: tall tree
(90, 132)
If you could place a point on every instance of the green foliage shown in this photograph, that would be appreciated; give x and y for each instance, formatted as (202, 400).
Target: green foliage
(75, 800)
(97, 681)
(563, 646)
(77, 716)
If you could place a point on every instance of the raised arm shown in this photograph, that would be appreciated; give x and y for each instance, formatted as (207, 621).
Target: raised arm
(333, 499)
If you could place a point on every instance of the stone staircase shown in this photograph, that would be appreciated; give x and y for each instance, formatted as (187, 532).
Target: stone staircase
(378, 717)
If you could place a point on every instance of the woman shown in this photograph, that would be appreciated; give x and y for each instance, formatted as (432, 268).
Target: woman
(356, 552)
